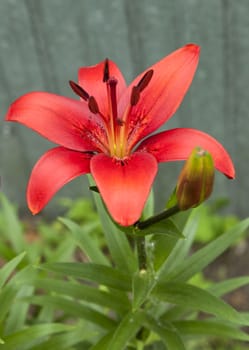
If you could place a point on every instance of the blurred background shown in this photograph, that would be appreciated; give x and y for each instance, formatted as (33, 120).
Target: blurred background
(43, 43)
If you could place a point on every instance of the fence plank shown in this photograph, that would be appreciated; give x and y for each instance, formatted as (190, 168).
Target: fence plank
(42, 44)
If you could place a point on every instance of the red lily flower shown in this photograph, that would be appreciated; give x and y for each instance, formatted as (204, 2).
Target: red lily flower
(104, 133)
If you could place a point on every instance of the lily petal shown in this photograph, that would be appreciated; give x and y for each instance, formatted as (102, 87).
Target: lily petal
(91, 80)
(177, 144)
(171, 79)
(124, 184)
(53, 170)
(59, 119)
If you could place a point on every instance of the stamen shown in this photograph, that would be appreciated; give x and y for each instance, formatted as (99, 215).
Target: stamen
(79, 90)
(145, 80)
(106, 75)
(143, 83)
(92, 105)
(135, 95)
(112, 87)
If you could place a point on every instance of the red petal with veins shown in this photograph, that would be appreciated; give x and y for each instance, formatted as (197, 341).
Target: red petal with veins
(59, 119)
(124, 184)
(53, 170)
(91, 80)
(177, 144)
(160, 99)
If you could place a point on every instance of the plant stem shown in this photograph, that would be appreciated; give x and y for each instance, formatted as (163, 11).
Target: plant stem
(154, 219)
(140, 239)
(141, 252)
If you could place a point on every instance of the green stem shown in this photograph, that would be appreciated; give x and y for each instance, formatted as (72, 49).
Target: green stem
(154, 219)
(141, 252)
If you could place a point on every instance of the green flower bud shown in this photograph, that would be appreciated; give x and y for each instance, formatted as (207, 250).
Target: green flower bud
(195, 183)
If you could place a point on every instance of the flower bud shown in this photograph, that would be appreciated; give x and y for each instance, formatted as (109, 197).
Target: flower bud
(195, 183)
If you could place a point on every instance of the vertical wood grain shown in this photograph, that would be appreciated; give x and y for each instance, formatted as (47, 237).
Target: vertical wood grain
(42, 44)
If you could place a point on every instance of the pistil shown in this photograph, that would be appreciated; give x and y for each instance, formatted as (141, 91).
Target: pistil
(112, 97)
(114, 124)
(106, 74)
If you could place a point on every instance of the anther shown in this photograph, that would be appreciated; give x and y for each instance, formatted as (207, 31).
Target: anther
(135, 96)
(92, 105)
(79, 90)
(136, 90)
(106, 74)
(145, 80)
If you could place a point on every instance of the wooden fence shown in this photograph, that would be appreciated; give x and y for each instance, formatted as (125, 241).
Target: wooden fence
(43, 42)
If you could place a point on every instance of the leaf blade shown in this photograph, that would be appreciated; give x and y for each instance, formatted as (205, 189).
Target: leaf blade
(210, 327)
(181, 248)
(199, 260)
(82, 237)
(100, 274)
(74, 308)
(169, 334)
(8, 268)
(195, 298)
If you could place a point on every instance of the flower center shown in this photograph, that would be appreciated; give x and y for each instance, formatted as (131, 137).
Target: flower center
(117, 128)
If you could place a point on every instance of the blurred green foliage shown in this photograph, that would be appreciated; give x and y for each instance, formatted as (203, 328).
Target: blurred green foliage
(51, 300)
(214, 221)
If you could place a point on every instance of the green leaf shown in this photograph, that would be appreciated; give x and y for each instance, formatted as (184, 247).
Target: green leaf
(172, 201)
(117, 241)
(149, 206)
(199, 260)
(8, 268)
(18, 311)
(126, 330)
(142, 285)
(7, 297)
(229, 285)
(163, 227)
(84, 292)
(158, 249)
(66, 341)
(182, 247)
(195, 298)
(73, 308)
(218, 289)
(169, 334)
(83, 238)
(64, 250)
(120, 337)
(103, 343)
(175, 313)
(13, 229)
(33, 335)
(213, 327)
(100, 274)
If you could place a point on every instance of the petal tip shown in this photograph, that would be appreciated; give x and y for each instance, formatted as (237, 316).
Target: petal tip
(34, 206)
(33, 210)
(193, 48)
(8, 116)
(231, 175)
